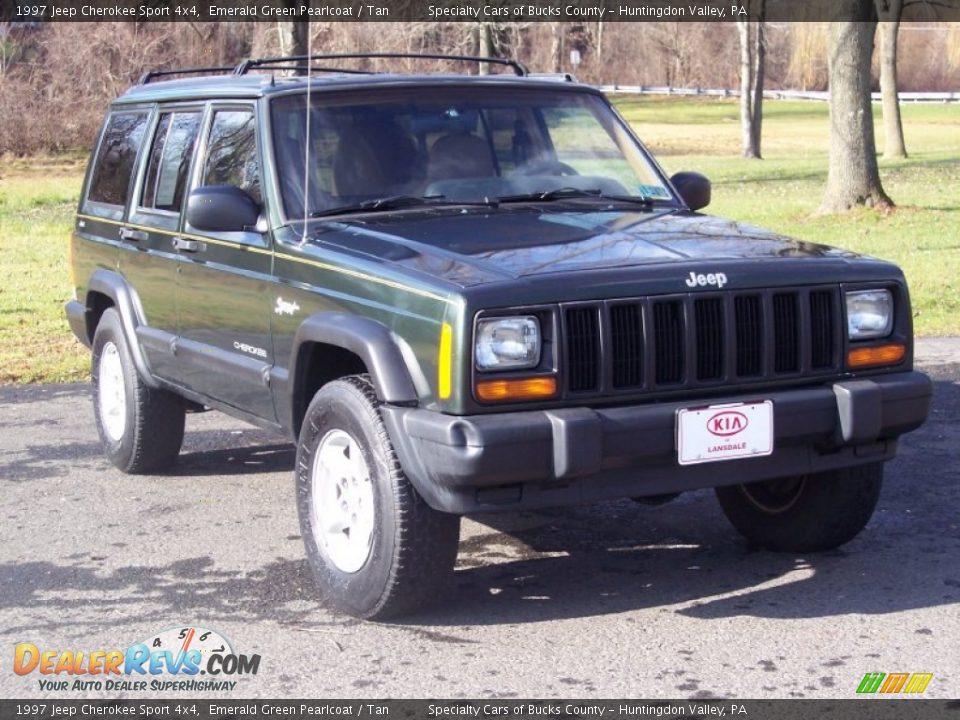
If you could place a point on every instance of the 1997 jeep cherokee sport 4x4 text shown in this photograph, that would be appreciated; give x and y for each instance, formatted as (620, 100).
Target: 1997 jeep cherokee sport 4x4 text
(463, 294)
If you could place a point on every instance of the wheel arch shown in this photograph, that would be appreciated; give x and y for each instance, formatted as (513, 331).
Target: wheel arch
(108, 289)
(330, 345)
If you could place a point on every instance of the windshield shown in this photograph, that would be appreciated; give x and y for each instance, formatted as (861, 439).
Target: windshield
(454, 145)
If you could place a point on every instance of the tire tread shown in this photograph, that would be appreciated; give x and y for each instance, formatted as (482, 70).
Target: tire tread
(834, 508)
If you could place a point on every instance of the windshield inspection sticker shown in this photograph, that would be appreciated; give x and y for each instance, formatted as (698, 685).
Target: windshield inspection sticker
(653, 191)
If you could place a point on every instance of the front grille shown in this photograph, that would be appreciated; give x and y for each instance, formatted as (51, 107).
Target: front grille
(626, 328)
(668, 342)
(786, 333)
(749, 329)
(583, 342)
(822, 343)
(701, 339)
(708, 313)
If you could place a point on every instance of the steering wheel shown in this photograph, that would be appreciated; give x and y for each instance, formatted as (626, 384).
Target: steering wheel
(546, 167)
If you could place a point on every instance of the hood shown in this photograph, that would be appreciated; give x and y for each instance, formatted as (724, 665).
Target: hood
(468, 247)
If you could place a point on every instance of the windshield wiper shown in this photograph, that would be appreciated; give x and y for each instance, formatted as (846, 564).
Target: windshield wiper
(394, 202)
(565, 193)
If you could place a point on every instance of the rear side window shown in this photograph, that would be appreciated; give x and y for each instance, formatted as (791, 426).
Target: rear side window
(117, 157)
(232, 153)
(170, 157)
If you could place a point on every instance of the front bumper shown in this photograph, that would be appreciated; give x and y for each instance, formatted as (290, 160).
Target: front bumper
(544, 458)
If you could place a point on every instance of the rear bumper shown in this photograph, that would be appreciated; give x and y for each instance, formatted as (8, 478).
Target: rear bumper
(545, 458)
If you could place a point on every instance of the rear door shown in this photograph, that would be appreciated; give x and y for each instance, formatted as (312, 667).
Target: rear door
(224, 286)
(152, 261)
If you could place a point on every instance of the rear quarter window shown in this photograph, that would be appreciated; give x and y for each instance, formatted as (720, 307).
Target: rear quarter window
(116, 158)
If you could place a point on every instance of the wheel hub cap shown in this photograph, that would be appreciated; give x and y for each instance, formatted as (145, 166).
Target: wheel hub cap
(112, 393)
(342, 510)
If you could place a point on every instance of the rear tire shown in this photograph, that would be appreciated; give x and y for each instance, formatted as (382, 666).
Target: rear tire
(140, 428)
(376, 548)
(807, 513)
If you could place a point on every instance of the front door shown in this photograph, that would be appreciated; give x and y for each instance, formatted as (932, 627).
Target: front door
(224, 285)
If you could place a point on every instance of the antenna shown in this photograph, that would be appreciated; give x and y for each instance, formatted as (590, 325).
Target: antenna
(306, 149)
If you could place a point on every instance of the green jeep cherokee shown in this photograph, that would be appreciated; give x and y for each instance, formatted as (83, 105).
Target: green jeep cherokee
(462, 294)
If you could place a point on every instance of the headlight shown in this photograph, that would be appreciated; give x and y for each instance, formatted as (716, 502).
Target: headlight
(508, 343)
(869, 314)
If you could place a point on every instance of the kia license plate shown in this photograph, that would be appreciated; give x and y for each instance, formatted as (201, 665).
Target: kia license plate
(724, 432)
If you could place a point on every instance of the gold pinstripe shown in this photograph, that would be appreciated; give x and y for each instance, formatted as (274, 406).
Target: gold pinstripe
(364, 276)
(282, 256)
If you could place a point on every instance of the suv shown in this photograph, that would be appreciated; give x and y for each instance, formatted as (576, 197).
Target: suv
(470, 293)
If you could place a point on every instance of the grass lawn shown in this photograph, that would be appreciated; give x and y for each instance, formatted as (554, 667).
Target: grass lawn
(38, 198)
(781, 192)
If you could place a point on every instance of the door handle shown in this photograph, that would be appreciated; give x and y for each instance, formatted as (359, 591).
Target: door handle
(132, 235)
(190, 246)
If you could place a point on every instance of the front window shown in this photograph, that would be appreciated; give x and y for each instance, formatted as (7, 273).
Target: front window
(232, 153)
(455, 145)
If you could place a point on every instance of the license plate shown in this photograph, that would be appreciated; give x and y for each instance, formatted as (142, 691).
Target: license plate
(724, 432)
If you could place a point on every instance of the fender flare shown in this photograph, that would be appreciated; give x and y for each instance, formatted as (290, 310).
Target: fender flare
(369, 340)
(127, 305)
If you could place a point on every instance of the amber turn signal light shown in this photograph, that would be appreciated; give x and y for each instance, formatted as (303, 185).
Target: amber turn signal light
(521, 389)
(879, 355)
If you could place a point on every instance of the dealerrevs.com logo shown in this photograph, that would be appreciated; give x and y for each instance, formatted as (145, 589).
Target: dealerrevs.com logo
(187, 658)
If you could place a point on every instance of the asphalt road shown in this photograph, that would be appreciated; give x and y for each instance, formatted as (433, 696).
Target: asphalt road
(612, 600)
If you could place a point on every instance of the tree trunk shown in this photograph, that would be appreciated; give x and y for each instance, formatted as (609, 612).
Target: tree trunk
(893, 144)
(853, 178)
(746, 83)
(486, 46)
(293, 39)
(760, 59)
(556, 46)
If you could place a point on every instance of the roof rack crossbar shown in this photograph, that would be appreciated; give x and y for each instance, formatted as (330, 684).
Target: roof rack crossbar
(152, 74)
(315, 69)
(247, 65)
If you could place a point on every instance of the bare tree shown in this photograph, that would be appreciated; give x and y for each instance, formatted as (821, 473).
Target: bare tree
(807, 64)
(485, 45)
(556, 46)
(890, 12)
(8, 47)
(293, 37)
(853, 178)
(752, 64)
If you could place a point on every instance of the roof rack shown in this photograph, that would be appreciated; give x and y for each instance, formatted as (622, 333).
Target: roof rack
(263, 63)
(315, 69)
(555, 76)
(152, 74)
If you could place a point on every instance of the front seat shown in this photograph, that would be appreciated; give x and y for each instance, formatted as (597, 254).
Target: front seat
(460, 155)
(373, 159)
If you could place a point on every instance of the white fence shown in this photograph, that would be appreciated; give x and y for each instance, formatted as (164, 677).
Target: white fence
(905, 97)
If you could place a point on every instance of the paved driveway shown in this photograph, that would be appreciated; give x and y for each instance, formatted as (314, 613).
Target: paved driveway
(612, 600)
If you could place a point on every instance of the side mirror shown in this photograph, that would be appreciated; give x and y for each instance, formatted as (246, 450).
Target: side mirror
(694, 188)
(221, 208)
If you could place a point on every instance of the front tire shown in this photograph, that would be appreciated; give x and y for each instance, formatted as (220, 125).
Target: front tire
(140, 428)
(376, 548)
(806, 513)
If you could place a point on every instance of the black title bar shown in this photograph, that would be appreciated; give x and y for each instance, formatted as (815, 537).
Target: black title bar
(494, 11)
(493, 709)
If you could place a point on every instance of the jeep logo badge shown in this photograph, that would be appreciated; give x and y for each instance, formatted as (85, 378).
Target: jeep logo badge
(717, 279)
